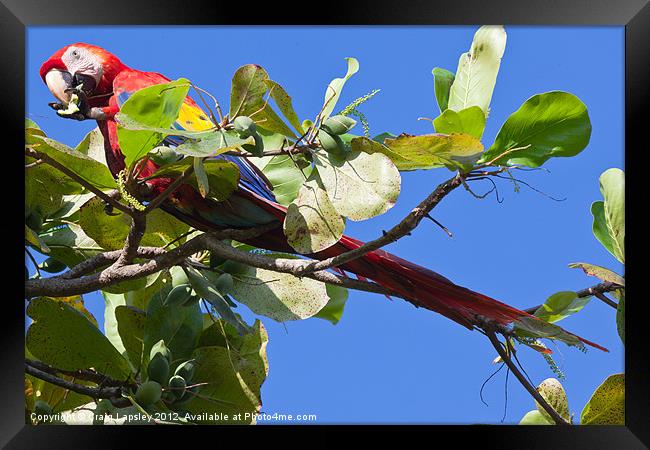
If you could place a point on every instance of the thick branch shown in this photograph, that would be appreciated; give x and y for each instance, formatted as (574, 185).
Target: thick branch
(136, 232)
(113, 393)
(408, 224)
(524, 382)
(98, 192)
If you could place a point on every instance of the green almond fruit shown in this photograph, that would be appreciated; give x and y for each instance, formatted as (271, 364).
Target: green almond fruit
(224, 283)
(186, 370)
(164, 155)
(332, 144)
(158, 368)
(339, 124)
(148, 393)
(244, 126)
(178, 296)
(160, 348)
(177, 386)
(51, 265)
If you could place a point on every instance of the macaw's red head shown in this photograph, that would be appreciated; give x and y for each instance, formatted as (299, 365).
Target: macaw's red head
(82, 64)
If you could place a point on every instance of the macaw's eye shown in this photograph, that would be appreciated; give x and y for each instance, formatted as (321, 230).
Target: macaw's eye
(75, 53)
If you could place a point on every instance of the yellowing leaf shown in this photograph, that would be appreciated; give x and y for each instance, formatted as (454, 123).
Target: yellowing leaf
(607, 404)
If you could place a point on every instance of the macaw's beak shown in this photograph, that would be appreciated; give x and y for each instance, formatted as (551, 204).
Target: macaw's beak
(62, 84)
(59, 83)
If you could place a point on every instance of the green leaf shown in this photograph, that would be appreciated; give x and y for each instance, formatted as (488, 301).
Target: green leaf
(620, 313)
(92, 145)
(246, 99)
(34, 239)
(280, 296)
(110, 231)
(553, 392)
(285, 175)
(599, 272)
(335, 87)
(442, 81)
(454, 151)
(63, 337)
(206, 290)
(333, 311)
(469, 121)
(212, 143)
(88, 169)
(607, 404)
(537, 328)
(155, 106)
(201, 177)
(599, 227)
(534, 417)
(361, 186)
(222, 175)
(553, 124)
(312, 223)
(70, 244)
(178, 326)
(561, 305)
(136, 298)
(477, 70)
(233, 375)
(130, 325)
(283, 100)
(612, 186)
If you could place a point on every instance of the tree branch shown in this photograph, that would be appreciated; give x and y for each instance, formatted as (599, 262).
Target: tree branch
(47, 373)
(408, 224)
(596, 290)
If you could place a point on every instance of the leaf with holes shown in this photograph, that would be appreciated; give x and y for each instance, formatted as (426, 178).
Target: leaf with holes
(63, 337)
(599, 272)
(280, 296)
(110, 231)
(361, 186)
(607, 404)
(312, 223)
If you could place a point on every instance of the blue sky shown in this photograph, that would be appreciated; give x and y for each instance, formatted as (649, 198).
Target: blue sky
(387, 362)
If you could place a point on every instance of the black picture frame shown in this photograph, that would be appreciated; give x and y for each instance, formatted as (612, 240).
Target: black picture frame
(634, 15)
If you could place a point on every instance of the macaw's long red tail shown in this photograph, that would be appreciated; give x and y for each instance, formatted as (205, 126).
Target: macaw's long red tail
(417, 284)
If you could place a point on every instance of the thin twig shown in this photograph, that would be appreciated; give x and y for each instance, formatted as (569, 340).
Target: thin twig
(529, 387)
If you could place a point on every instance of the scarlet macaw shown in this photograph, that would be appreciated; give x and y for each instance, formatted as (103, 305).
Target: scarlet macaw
(107, 83)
